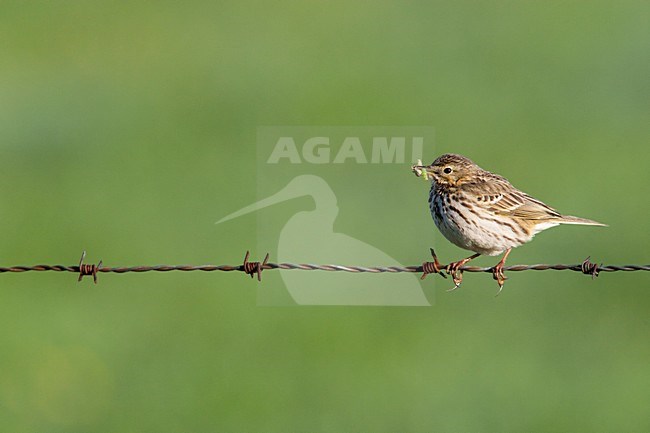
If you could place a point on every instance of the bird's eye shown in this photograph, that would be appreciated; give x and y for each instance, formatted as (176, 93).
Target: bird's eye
(447, 170)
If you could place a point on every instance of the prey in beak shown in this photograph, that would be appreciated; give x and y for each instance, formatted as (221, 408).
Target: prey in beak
(421, 170)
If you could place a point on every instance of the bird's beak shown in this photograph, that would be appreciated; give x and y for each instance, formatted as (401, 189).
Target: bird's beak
(430, 170)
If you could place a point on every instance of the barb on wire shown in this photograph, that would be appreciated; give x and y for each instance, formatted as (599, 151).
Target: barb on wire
(252, 268)
(256, 268)
(85, 269)
(589, 268)
(433, 267)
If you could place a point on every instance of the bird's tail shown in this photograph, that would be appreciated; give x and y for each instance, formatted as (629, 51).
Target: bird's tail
(568, 219)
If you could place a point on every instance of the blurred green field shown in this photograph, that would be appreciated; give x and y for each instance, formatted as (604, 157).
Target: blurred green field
(128, 128)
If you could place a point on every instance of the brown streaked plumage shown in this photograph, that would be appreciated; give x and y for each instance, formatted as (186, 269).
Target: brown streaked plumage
(482, 212)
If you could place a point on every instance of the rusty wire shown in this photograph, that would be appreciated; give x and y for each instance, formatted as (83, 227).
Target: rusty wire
(256, 268)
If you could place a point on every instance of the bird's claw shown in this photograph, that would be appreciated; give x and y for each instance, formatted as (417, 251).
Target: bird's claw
(457, 281)
(456, 273)
(499, 276)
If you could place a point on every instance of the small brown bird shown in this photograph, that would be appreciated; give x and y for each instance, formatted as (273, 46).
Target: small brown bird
(482, 212)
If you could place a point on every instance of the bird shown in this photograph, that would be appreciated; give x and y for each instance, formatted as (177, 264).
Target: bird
(482, 212)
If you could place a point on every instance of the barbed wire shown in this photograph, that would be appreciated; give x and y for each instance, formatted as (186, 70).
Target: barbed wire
(255, 268)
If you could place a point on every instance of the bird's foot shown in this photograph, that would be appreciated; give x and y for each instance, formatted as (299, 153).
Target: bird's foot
(456, 273)
(454, 269)
(499, 276)
(498, 273)
(433, 267)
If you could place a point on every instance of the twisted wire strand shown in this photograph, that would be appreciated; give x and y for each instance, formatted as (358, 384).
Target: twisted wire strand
(315, 267)
(255, 268)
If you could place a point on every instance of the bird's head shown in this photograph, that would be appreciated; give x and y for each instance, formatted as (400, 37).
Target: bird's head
(449, 169)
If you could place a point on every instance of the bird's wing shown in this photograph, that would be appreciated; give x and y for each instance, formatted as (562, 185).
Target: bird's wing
(496, 195)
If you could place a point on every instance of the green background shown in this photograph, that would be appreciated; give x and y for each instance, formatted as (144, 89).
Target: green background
(129, 128)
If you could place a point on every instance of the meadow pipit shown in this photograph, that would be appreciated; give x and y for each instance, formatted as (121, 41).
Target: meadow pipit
(482, 212)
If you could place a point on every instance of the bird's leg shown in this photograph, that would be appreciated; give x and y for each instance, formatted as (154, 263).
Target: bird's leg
(456, 273)
(497, 271)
